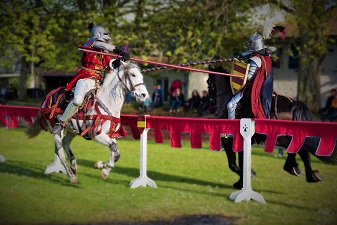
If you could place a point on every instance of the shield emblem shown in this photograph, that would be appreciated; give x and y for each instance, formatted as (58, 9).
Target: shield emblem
(240, 69)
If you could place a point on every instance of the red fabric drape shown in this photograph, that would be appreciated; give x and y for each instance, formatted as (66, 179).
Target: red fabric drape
(195, 127)
(327, 132)
(299, 130)
(9, 115)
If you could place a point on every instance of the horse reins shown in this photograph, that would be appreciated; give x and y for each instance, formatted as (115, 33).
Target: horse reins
(127, 77)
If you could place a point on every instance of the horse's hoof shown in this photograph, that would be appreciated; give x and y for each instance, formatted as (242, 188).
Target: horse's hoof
(117, 156)
(238, 185)
(74, 180)
(74, 169)
(315, 177)
(104, 175)
(252, 173)
(73, 166)
(295, 170)
(98, 165)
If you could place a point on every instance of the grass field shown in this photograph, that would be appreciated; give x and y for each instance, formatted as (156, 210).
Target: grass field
(191, 182)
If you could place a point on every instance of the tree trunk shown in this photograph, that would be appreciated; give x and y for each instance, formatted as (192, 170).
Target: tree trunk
(309, 84)
(23, 78)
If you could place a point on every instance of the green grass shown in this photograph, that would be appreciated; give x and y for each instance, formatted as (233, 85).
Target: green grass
(190, 182)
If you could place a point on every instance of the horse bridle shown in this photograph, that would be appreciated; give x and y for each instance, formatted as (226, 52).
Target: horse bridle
(127, 78)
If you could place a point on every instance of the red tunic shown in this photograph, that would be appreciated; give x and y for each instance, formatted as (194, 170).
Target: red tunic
(254, 88)
(93, 66)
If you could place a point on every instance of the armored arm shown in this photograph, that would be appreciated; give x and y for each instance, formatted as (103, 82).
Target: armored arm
(112, 48)
(104, 46)
(254, 62)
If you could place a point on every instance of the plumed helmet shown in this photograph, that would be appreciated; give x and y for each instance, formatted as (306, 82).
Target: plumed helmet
(255, 43)
(100, 33)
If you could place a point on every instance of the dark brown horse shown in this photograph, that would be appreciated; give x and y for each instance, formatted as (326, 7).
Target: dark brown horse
(282, 108)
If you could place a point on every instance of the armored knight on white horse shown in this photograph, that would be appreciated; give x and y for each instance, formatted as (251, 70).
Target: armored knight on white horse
(93, 66)
(94, 110)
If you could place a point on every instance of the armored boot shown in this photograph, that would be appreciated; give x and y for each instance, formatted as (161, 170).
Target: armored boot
(68, 113)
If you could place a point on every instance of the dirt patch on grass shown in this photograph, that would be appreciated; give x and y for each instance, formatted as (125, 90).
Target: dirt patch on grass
(184, 220)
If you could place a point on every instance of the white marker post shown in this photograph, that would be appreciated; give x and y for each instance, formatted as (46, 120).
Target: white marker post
(143, 179)
(247, 129)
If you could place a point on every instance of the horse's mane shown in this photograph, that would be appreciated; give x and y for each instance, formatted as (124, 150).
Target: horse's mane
(219, 89)
(131, 65)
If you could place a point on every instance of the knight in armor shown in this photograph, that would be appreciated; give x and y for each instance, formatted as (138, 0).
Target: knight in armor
(259, 85)
(91, 73)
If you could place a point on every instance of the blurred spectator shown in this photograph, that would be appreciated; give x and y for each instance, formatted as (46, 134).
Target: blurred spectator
(330, 110)
(175, 84)
(146, 105)
(157, 96)
(193, 102)
(204, 103)
(3, 94)
(177, 100)
(128, 98)
(12, 92)
(280, 152)
(333, 116)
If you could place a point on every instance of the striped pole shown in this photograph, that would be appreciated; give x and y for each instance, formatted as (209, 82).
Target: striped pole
(188, 64)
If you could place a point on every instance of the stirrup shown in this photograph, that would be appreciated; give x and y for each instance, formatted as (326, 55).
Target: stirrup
(59, 127)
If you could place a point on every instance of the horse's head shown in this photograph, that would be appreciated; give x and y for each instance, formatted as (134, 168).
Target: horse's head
(219, 89)
(132, 80)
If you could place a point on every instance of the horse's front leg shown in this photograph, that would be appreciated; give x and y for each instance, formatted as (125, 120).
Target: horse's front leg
(66, 145)
(312, 176)
(227, 143)
(291, 166)
(60, 152)
(114, 155)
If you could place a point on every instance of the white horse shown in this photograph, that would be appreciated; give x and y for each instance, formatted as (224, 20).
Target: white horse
(101, 122)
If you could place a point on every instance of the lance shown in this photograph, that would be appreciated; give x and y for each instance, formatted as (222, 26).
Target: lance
(84, 49)
(189, 64)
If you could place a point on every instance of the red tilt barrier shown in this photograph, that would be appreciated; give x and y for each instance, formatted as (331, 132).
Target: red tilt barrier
(196, 126)
(299, 130)
(9, 117)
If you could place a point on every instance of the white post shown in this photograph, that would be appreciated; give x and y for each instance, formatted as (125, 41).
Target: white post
(143, 180)
(56, 166)
(247, 129)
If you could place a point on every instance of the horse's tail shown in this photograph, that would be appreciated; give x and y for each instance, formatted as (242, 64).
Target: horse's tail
(302, 113)
(39, 124)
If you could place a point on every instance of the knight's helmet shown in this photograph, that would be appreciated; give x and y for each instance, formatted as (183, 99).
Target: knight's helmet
(100, 33)
(255, 43)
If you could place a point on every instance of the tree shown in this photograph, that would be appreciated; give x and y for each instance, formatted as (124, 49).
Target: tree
(198, 29)
(27, 32)
(313, 19)
(46, 33)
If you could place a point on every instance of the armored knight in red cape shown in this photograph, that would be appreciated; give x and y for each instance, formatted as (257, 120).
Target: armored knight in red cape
(257, 89)
(93, 66)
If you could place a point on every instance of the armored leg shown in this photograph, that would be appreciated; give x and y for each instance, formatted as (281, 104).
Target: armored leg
(232, 104)
(81, 89)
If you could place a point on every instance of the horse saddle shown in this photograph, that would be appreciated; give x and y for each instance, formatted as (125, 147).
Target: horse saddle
(60, 98)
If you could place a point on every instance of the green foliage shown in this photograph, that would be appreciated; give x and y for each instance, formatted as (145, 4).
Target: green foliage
(190, 182)
(313, 20)
(48, 32)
